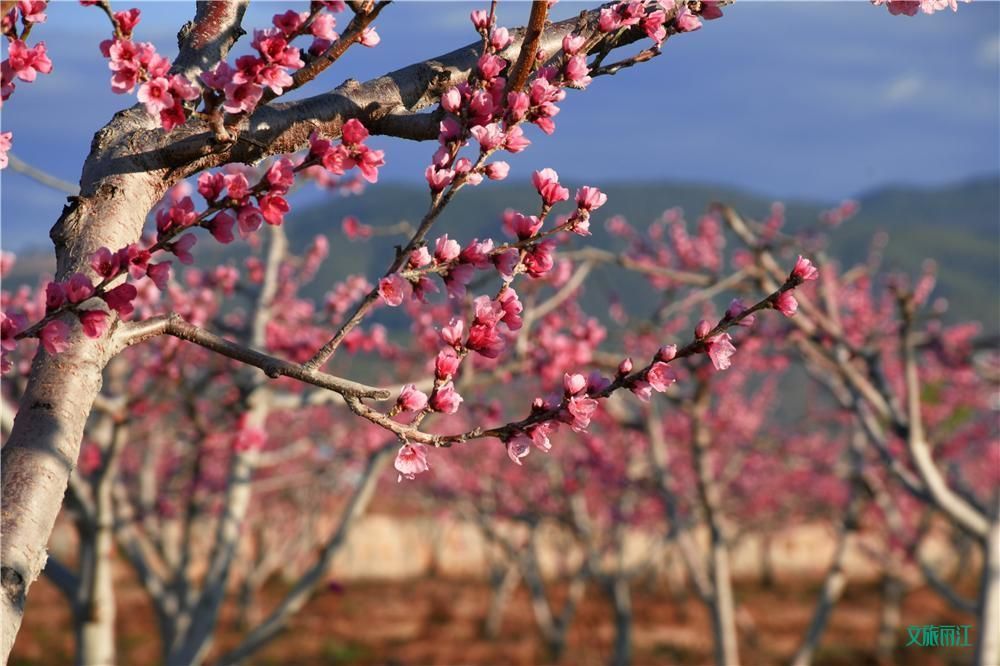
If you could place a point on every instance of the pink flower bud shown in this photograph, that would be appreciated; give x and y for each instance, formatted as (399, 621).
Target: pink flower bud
(497, 170)
(573, 384)
(786, 303)
(411, 400)
(625, 367)
(666, 353)
(79, 288)
(804, 270)
(446, 399)
(446, 364)
(480, 19)
(702, 329)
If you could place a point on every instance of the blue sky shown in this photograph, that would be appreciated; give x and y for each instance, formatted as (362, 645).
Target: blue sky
(790, 99)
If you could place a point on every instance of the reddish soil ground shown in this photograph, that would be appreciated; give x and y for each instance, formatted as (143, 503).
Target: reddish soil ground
(436, 621)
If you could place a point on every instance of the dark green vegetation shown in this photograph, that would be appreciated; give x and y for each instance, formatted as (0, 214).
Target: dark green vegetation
(958, 226)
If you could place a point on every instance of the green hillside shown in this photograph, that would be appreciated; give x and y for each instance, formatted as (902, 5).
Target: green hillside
(958, 226)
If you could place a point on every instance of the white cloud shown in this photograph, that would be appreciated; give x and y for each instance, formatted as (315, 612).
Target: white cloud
(903, 89)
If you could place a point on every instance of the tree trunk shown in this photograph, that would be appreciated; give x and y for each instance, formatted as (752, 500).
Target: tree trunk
(504, 585)
(95, 629)
(621, 599)
(723, 607)
(890, 616)
(988, 632)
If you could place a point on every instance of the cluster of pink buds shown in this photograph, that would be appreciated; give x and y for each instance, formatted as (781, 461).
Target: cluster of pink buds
(653, 20)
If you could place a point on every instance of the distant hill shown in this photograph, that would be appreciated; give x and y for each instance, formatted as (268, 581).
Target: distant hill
(958, 226)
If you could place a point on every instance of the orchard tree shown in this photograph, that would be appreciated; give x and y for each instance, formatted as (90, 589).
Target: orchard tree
(206, 113)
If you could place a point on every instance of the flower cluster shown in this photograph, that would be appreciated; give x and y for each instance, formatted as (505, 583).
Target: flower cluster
(234, 89)
(911, 7)
(232, 203)
(653, 19)
(23, 62)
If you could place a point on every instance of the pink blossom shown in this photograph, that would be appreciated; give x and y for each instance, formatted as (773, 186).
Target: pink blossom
(182, 248)
(480, 19)
(786, 304)
(172, 117)
(411, 400)
(452, 333)
(219, 76)
(159, 274)
(27, 63)
(410, 461)
(55, 296)
(446, 399)
(54, 336)
(511, 309)
(369, 37)
(652, 24)
(572, 43)
(735, 309)
(666, 353)
(525, 226)
(79, 288)
(497, 170)
(438, 179)
(273, 47)
(506, 263)
(250, 220)
(210, 185)
(686, 20)
(354, 132)
(237, 186)
(290, 21)
(546, 182)
(590, 198)
(518, 105)
(446, 250)
(574, 384)
(104, 262)
(576, 71)
(33, 11)
(221, 227)
(641, 389)
(420, 257)
(500, 38)
(451, 101)
(94, 322)
(490, 137)
(538, 260)
(241, 97)
(155, 94)
(518, 447)
(368, 162)
(446, 364)
(540, 435)
(516, 141)
(393, 289)
(804, 270)
(720, 350)
(273, 208)
(581, 410)
(710, 10)
(660, 377)
(323, 27)
(702, 329)
(6, 139)
(490, 66)
(353, 228)
(127, 20)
